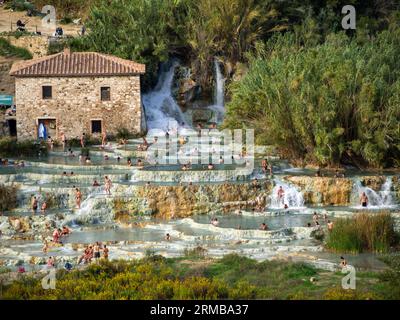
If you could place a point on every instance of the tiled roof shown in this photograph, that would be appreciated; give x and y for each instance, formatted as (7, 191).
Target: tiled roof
(76, 64)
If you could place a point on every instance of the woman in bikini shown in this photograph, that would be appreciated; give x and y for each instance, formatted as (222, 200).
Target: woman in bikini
(78, 197)
(107, 185)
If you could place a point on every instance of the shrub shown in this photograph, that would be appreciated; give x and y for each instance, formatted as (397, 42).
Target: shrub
(390, 279)
(8, 50)
(338, 293)
(363, 232)
(85, 152)
(20, 5)
(123, 134)
(12, 148)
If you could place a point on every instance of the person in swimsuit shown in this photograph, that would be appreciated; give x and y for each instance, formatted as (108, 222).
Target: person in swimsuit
(103, 139)
(96, 251)
(364, 200)
(281, 193)
(34, 203)
(263, 226)
(343, 262)
(264, 165)
(63, 140)
(83, 140)
(78, 197)
(65, 231)
(330, 225)
(315, 217)
(107, 185)
(56, 236)
(44, 207)
(45, 247)
(105, 252)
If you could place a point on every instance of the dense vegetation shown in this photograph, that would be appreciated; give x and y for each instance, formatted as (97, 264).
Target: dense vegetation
(10, 51)
(363, 233)
(10, 147)
(329, 103)
(232, 277)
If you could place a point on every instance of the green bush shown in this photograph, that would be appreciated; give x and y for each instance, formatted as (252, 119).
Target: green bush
(363, 232)
(10, 147)
(20, 5)
(8, 50)
(390, 278)
(123, 134)
(330, 103)
(85, 152)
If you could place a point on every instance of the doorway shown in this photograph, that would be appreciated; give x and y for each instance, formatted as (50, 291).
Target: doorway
(12, 126)
(47, 128)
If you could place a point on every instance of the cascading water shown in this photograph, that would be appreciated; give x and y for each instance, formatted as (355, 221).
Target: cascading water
(220, 87)
(162, 111)
(218, 106)
(292, 197)
(376, 200)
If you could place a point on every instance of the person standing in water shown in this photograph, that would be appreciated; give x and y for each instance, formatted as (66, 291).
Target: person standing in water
(78, 197)
(63, 140)
(105, 252)
(34, 203)
(103, 139)
(44, 207)
(364, 200)
(107, 185)
(83, 137)
(281, 194)
(96, 251)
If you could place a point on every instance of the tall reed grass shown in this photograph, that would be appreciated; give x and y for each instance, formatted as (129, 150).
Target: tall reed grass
(364, 232)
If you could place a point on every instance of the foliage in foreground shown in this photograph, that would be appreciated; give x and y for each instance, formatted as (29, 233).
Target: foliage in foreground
(8, 50)
(329, 103)
(363, 233)
(232, 277)
(10, 147)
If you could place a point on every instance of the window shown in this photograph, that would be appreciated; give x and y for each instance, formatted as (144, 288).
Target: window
(105, 94)
(96, 126)
(47, 92)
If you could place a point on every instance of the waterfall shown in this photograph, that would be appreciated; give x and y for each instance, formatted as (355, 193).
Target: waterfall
(162, 111)
(220, 85)
(218, 105)
(376, 200)
(292, 197)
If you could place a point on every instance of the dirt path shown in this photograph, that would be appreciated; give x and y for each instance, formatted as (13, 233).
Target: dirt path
(34, 23)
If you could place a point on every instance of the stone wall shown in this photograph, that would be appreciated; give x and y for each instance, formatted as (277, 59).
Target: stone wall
(75, 102)
(36, 45)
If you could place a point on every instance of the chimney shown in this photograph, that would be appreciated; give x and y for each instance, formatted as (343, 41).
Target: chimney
(67, 51)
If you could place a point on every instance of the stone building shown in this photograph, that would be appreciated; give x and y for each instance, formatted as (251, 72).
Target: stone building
(75, 93)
